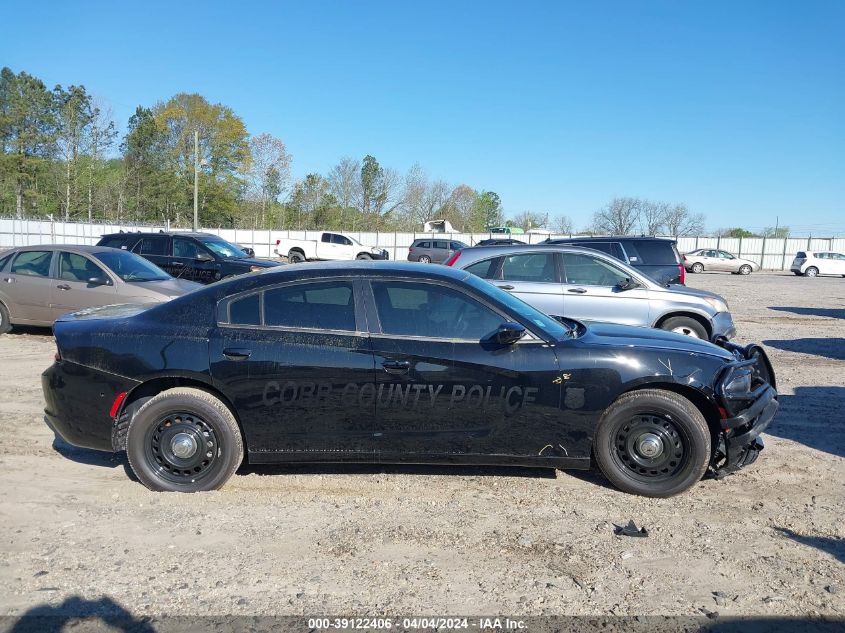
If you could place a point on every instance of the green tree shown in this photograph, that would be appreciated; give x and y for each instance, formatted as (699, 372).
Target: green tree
(487, 211)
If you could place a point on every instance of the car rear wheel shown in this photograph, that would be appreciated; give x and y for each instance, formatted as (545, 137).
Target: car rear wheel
(653, 443)
(424, 259)
(184, 440)
(296, 257)
(686, 326)
(697, 267)
(745, 269)
(5, 322)
(364, 256)
(812, 271)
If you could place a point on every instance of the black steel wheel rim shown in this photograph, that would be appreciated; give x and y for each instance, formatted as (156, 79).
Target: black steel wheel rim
(182, 447)
(650, 448)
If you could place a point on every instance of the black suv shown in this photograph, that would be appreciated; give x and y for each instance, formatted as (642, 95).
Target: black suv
(657, 257)
(201, 257)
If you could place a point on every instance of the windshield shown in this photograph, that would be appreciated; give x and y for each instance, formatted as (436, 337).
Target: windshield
(131, 267)
(547, 324)
(223, 248)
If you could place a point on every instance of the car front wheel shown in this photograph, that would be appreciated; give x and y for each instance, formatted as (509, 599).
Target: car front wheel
(184, 440)
(745, 269)
(686, 326)
(653, 443)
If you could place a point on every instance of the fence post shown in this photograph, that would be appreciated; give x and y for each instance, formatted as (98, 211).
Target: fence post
(719, 242)
(763, 254)
(783, 259)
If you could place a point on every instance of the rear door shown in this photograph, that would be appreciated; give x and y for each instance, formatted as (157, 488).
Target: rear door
(535, 278)
(71, 289)
(295, 361)
(439, 251)
(27, 285)
(837, 260)
(591, 292)
(156, 248)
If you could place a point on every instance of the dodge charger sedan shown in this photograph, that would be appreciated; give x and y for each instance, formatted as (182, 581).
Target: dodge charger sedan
(398, 362)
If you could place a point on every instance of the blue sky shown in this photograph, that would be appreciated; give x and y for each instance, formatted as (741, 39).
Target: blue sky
(735, 108)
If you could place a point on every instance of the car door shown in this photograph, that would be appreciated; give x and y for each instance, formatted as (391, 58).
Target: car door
(156, 248)
(344, 249)
(837, 260)
(27, 285)
(191, 260)
(296, 363)
(72, 289)
(591, 291)
(533, 277)
(726, 262)
(442, 389)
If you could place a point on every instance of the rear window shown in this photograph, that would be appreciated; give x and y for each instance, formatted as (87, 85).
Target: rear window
(422, 244)
(152, 246)
(112, 242)
(801, 254)
(652, 252)
(321, 305)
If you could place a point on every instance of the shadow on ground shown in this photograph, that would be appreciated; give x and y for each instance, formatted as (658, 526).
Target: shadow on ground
(833, 313)
(812, 416)
(78, 614)
(826, 347)
(827, 544)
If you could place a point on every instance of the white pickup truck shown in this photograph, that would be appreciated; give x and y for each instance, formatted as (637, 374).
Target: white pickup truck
(328, 246)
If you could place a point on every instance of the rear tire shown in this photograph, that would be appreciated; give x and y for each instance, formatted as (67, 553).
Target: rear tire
(745, 269)
(364, 256)
(697, 267)
(184, 440)
(812, 271)
(424, 259)
(296, 257)
(653, 443)
(686, 326)
(5, 320)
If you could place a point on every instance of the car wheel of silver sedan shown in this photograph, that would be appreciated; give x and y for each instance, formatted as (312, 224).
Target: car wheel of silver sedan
(697, 267)
(745, 269)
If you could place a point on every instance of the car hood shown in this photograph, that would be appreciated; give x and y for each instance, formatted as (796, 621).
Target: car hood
(166, 288)
(254, 261)
(631, 336)
(691, 292)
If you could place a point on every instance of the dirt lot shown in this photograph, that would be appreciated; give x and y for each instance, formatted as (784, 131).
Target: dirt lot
(400, 540)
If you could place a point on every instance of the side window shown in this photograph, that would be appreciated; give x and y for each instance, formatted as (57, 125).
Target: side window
(603, 247)
(456, 246)
(439, 244)
(656, 253)
(73, 267)
(246, 311)
(112, 242)
(584, 270)
(151, 246)
(343, 241)
(183, 247)
(484, 269)
(35, 263)
(421, 309)
(323, 305)
(537, 267)
(326, 238)
(4, 261)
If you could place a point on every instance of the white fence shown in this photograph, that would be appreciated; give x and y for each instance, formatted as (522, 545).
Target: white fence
(771, 253)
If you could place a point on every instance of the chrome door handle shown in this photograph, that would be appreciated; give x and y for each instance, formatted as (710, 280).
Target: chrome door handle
(396, 366)
(578, 291)
(506, 287)
(177, 263)
(63, 287)
(237, 353)
(9, 280)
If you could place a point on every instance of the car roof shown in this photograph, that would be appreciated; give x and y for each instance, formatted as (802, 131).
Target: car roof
(165, 233)
(79, 248)
(617, 238)
(365, 267)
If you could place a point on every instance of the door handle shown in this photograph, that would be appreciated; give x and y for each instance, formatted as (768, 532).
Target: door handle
(578, 291)
(396, 366)
(237, 353)
(9, 280)
(177, 263)
(63, 287)
(506, 287)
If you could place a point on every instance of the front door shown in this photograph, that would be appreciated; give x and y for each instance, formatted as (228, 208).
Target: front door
(71, 289)
(592, 292)
(295, 361)
(27, 284)
(442, 389)
(192, 261)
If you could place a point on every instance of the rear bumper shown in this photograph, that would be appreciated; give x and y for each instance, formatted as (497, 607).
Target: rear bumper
(383, 255)
(723, 325)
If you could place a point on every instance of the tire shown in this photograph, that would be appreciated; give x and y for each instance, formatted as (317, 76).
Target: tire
(364, 256)
(5, 320)
(685, 325)
(183, 413)
(745, 269)
(812, 271)
(424, 259)
(661, 421)
(296, 257)
(697, 267)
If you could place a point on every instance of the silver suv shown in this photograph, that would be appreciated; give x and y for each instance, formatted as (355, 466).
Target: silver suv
(584, 284)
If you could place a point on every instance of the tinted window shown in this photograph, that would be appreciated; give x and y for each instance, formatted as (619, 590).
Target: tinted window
(131, 267)
(184, 247)
(589, 271)
(339, 239)
(801, 254)
(439, 245)
(653, 252)
(420, 309)
(112, 242)
(424, 245)
(530, 267)
(324, 305)
(73, 267)
(36, 263)
(152, 246)
(326, 238)
(456, 246)
(4, 261)
(246, 311)
(484, 269)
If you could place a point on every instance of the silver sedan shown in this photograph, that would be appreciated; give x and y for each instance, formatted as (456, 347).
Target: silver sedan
(710, 259)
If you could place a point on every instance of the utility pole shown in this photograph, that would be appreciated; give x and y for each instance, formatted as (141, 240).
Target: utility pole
(196, 179)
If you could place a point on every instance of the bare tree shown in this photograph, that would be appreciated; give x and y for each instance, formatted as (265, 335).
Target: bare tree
(562, 224)
(531, 220)
(652, 216)
(270, 169)
(459, 206)
(345, 184)
(423, 199)
(619, 217)
(679, 220)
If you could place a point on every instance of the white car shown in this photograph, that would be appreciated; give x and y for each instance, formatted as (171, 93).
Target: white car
(329, 246)
(815, 263)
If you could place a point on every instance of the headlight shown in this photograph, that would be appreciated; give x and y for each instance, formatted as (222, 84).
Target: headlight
(256, 269)
(739, 384)
(719, 305)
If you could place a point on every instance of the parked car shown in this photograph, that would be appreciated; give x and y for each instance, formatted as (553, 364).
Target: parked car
(427, 250)
(40, 283)
(584, 284)
(278, 367)
(657, 257)
(495, 241)
(329, 246)
(506, 230)
(710, 259)
(815, 263)
(200, 257)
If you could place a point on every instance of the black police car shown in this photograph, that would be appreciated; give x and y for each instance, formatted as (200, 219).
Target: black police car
(201, 257)
(397, 362)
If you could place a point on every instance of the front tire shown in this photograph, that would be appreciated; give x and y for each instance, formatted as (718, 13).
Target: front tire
(745, 269)
(686, 326)
(5, 320)
(812, 271)
(184, 440)
(653, 443)
(697, 267)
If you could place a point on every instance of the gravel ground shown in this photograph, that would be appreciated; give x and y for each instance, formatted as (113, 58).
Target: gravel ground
(445, 540)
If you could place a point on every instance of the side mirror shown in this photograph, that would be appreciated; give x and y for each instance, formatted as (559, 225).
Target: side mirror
(509, 333)
(204, 257)
(99, 281)
(248, 251)
(627, 284)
